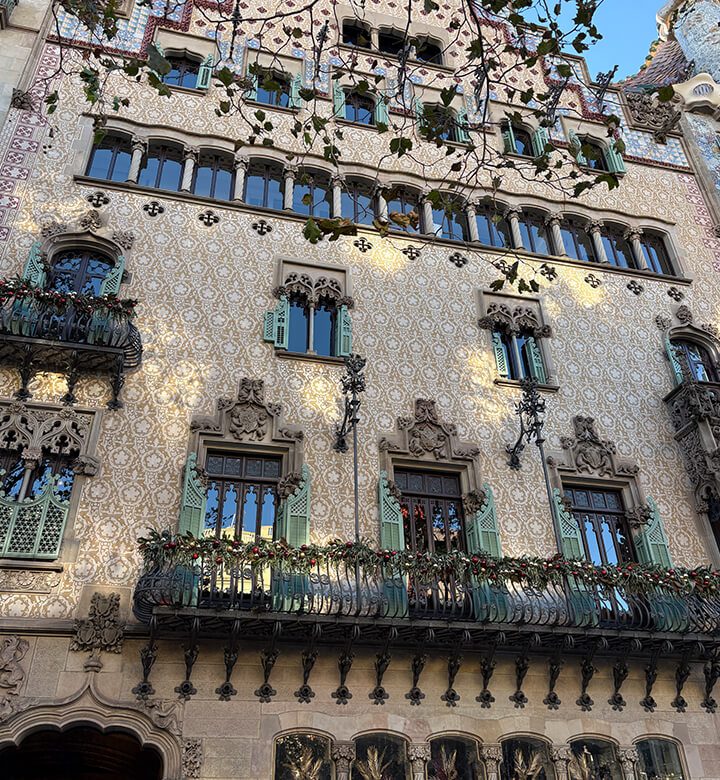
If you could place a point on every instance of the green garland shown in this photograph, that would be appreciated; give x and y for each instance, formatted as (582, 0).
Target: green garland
(19, 290)
(162, 550)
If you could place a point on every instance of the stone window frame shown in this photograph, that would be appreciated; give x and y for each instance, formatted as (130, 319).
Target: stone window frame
(576, 131)
(664, 738)
(514, 311)
(681, 325)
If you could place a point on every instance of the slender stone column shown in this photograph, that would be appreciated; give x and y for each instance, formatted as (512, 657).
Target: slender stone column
(492, 756)
(337, 182)
(427, 216)
(633, 235)
(241, 166)
(343, 754)
(419, 755)
(191, 156)
(595, 228)
(561, 756)
(139, 145)
(512, 215)
(382, 205)
(472, 222)
(553, 225)
(289, 176)
(629, 758)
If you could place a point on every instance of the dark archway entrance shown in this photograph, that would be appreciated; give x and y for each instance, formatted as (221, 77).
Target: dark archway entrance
(80, 753)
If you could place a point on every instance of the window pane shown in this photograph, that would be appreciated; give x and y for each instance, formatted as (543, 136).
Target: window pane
(229, 512)
(171, 175)
(148, 175)
(380, 752)
(100, 162)
(454, 757)
(267, 514)
(249, 514)
(255, 190)
(324, 330)
(121, 166)
(298, 327)
(539, 239)
(223, 184)
(203, 181)
(274, 194)
(520, 754)
(659, 759)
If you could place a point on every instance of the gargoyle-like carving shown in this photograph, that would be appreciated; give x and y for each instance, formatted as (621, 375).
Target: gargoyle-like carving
(102, 629)
(501, 316)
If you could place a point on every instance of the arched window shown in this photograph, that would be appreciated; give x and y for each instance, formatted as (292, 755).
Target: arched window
(696, 358)
(302, 756)
(534, 234)
(391, 42)
(404, 204)
(526, 757)
(312, 194)
(594, 156)
(357, 34)
(450, 221)
(183, 71)
(358, 202)
(617, 248)
(493, 229)
(380, 755)
(517, 140)
(264, 185)
(214, 176)
(577, 241)
(110, 159)
(455, 757)
(79, 270)
(273, 88)
(439, 123)
(594, 759)
(359, 108)
(429, 51)
(162, 167)
(656, 255)
(659, 760)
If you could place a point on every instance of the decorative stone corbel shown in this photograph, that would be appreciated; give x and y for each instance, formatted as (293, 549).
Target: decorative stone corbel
(419, 755)
(101, 630)
(343, 754)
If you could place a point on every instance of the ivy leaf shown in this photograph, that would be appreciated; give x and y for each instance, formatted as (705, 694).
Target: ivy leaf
(225, 76)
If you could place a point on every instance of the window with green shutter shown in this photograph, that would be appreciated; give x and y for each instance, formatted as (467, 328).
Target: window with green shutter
(205, 72)
(518, 356)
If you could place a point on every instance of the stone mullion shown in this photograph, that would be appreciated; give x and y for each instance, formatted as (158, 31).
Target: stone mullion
(427, 217)
(190, 160)
(241, 166)
(628, 757)
(289, 186)
(472, 222)
(337, 181)
(561, 756)
(343, 754)
(553, 224)
(139, 145)
(595, 229)
(382, 204)
(419, 755)
(491, 756)
(633, 235)
(512, 215)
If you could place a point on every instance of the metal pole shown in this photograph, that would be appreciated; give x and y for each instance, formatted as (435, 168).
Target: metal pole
(550, 495)
(356, 479)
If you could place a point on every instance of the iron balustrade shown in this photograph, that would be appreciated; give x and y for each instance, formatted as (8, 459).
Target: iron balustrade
(342, 590)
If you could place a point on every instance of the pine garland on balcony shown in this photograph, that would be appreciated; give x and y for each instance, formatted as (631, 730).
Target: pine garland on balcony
(162, 550)
(17, 289)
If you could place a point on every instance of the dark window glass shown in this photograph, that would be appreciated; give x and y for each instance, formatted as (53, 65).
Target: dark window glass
(697, 358)
(22, 480)
(577, 241)
(659, 760)
(523, 142)
(428, 51)
(324, 324)
(390, 42)
(264, 186)
(520, 754)
(493, 230)
(601, 517)
(273, 88)
(79, 271)
(214, 176)
(595, 156)
(354, 34)
(656, 254)
(241, 495)
(450, 222)
(432, 510)
(300, 756)
(380, 751)
(617, 248)
(534, 233)
(454, 757)
(360, 109)
(594, 759)
(110, 159)
(162, 168)
(312, 194)
(183, 72)
(402, 201)
(299, 325)
(439, 123)
(358, 203)
(516, 347)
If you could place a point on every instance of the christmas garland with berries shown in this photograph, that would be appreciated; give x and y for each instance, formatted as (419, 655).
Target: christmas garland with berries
(19, 290)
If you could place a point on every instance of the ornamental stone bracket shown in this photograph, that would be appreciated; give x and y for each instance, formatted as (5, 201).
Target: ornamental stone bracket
(101, 630)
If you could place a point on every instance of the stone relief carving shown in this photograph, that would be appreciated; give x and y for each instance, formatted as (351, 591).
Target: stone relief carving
(90, 220)
(50, 228)
(649, 113)
(192, 757)
(313, 289)
(12, 674)
(514, 319)
(102, 629)
(23, 580)
(124, 238)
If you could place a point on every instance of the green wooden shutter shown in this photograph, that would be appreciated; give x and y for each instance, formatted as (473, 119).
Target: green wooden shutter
(651, 542)
(576, 148)
(392, 537)
(481, 529)
(615, 161)
(275, 324)
(570, 534)
(674, 361)
(501, 356)
(540, 139)
(535, 360)
(419, 109)
(462, 127)
(205, 73)
(294, 524)
(382, 115)
(343, 332)
(338, 100)
(296, 85)
(192, 502)
(35, 272)
(508, 138)
(251, 91)
(111, 283)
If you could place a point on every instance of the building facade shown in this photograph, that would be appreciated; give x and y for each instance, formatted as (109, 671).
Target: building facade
(182, 589)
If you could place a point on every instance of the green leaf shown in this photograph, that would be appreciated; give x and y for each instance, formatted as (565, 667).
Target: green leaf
(312, 232)
(665, 93)
(157, 62)
(400, 146)
(225, 76)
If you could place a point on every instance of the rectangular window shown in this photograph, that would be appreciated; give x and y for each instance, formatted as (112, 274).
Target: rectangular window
(600, 514)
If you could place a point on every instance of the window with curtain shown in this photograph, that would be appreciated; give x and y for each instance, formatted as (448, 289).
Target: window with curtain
(359, 108)
(110, 159)
(518, 355)
(577, 241)
(617, 248)
(432, 510)
(302, 757)
(356, 34)
(526, 757)
(358, 202)
(214, 176)
(696, 358)
(534, 233)
(242, 498)
(493, 229)
(312, 194)
(273, 88)
(594, 759)
(79, 270)
(183, 72)
(659, 760)
(656, 254)
(403, 201)
(264, 185)
(162, 167)
(450, 222)
(382, 756)
(454, 757)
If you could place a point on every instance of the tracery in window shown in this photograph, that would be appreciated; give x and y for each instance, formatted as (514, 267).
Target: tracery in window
(264, 185)
(659, 760)
(427, 50)
(601, 517)
(359, 108)
(110, 159)
(312, 194)
(577, 241)
(356, 34)
(302, 757)
(79, 270)
(214, 176)
(455, 757)
(380, 756)
(162, 167)
(696, 358)
(526, 757)
(594, 759)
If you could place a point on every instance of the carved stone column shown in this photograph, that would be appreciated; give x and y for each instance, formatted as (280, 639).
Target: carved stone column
(382, 205)
(472, 222)
(492, 756)
(561, 755)
(343, 754)
(336, 181)
(190, 159)
(241, 166)
(595, 229)
(633, 235)
(139, 145)
(289, 177)
(419, 755)
(553, 225)
(427, 217)
(629, 758)
(512, 215)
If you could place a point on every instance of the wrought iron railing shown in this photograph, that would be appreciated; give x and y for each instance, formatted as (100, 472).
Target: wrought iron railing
(345, 590)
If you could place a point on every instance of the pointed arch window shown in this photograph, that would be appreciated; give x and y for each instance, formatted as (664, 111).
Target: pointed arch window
(214, 176)
(110, 159)
(162, 167)
(80, 271)
(455, 757)
(595, 759)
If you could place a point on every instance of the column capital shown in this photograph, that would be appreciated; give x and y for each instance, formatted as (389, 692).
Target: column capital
(491, 754)
(138, 143)
(241, 161)
(628, 757)
(190, 153)
(337, 179)
(561, 754)
(633, 234)
(290, 172)
(554, 219)
(419, 755)
(343, 754)
(595, 226)
(512, 211)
